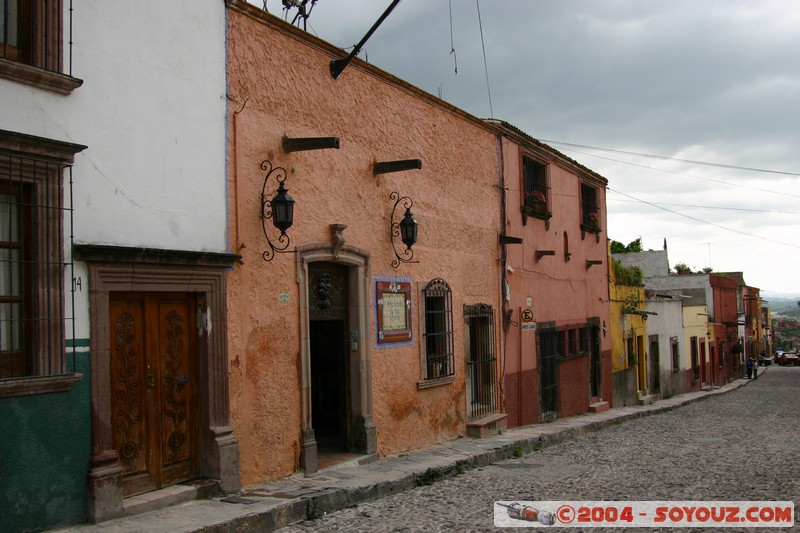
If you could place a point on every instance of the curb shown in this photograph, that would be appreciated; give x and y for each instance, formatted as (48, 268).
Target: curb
(271, 506)
(337, 499)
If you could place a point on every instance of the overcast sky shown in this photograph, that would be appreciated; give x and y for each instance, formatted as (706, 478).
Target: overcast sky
(715, 81)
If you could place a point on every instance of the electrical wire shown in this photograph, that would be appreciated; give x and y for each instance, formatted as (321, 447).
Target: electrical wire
(691, 161)
(781, 193)
(485, 67)
(705, 221)
(452, 46)
(768, 211)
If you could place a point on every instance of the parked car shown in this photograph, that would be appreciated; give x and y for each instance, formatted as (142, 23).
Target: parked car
(789, 358)
(764, 360)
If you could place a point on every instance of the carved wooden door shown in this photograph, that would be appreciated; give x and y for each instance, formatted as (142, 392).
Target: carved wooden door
(154, 388)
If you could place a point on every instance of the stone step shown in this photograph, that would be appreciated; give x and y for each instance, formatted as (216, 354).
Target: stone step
(599, 407)
(201, 489)
(647, 399)
(488, 425)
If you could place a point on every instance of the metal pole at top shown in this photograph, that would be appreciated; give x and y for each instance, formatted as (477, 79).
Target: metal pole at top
(338, 65)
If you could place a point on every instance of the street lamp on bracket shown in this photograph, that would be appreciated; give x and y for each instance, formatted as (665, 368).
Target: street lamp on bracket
(280, 208)
(406, 229)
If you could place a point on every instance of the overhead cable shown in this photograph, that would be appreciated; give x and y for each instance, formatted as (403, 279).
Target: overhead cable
(691, 161)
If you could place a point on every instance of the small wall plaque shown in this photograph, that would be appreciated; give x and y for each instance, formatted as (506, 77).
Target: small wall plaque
(393, 309)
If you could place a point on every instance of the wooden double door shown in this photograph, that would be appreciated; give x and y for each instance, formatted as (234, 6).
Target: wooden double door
(154, 388)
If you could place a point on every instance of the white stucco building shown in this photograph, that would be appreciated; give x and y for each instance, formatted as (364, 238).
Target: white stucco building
(113, 221)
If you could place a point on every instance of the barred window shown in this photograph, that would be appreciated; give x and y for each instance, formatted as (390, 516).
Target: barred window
(33, 216)
(676, 362)
(534, 184)
(438, 334)
(31, 43)
(590, 211)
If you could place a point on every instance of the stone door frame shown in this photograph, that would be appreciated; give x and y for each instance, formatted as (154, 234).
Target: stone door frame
(358, 276)
(113, 269)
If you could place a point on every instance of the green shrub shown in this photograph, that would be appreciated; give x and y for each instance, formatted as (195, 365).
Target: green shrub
(627, 276)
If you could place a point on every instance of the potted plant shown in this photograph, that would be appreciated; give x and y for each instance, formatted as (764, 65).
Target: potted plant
(591, 223)
(536, 200)
(535, 205)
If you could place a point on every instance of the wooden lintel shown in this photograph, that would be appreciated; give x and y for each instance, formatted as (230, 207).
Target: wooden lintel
(384, 167)
(300, 144)
(542, 253)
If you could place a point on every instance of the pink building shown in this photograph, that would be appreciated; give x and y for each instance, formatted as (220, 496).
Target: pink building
(343, 343)
(555, 270)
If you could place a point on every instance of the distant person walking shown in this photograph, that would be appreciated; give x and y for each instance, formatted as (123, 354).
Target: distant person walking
(749, 364)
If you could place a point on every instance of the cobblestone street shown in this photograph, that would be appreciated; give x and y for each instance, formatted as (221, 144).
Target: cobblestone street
(739, 446)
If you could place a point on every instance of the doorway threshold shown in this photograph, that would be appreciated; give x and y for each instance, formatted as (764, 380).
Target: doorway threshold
(168, 496)
(335, 460)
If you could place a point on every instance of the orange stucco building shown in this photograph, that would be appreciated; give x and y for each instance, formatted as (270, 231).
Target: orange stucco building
(343, 341)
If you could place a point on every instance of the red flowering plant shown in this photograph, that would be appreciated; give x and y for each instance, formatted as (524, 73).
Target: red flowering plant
(536, 200)
(591, 223)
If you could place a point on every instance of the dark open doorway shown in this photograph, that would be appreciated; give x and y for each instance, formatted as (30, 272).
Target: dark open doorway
(655, 366)
(329, 355)
(329, 383)
(595, 370)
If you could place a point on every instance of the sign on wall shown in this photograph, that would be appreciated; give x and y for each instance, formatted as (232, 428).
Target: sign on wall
(393, 309)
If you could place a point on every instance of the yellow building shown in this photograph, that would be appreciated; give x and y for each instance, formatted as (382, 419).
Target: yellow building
(695, 334)
(628, 333)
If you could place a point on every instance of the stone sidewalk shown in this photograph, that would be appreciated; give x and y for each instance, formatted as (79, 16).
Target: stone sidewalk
(271, 506)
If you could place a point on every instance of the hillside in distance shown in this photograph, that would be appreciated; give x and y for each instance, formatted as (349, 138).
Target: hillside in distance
(784, 306)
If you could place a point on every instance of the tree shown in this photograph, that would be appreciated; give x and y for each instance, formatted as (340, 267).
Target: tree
(633, 246)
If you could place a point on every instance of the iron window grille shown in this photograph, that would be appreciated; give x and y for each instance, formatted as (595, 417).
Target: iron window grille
(438, 335)
(534, 186)
(482, 361)
(31, 44)
(590, 211)
(34, 218)
(676, 362)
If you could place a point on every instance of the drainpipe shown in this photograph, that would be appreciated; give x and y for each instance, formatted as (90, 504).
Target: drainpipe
(502, 251)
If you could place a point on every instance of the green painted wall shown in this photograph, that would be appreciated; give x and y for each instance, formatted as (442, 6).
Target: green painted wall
(45, 445)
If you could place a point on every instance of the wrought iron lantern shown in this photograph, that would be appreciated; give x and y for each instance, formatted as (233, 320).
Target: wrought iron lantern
(280, 209)
(407, 229)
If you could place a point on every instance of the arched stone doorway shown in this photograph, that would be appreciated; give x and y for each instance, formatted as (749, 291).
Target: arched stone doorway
(334, 282)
